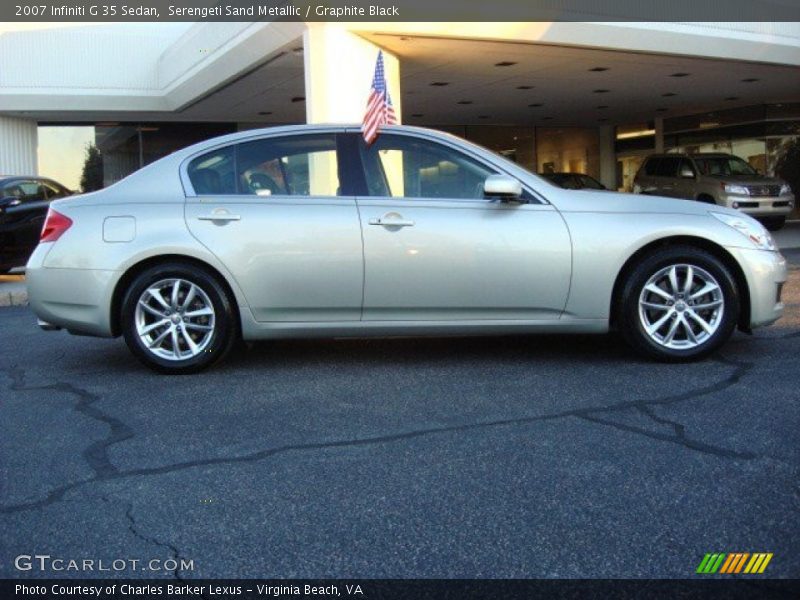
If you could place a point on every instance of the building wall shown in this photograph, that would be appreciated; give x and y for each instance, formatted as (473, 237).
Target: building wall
(18, 143)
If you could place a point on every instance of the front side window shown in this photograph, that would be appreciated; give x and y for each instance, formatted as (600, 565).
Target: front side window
(652, 166)
(290, 166)
(724, 165)
(405, 167)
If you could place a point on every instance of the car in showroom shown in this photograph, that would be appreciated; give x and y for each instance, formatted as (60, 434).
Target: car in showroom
(573, 181)
(716, 178)
(307, 231)
(23, 208)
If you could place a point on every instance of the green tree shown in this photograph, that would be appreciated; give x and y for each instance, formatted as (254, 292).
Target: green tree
(92, 176)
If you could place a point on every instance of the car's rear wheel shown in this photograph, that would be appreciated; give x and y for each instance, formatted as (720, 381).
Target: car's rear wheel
(678, 303)
(177, 318)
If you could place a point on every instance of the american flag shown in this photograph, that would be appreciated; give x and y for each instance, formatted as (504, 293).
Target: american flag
(379, 106)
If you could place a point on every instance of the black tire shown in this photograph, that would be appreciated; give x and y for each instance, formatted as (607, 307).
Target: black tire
(223, 334)
(774, 223)
(630, 321)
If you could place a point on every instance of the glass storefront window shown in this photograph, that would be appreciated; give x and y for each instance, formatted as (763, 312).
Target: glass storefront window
(62, 152)
(110, 151)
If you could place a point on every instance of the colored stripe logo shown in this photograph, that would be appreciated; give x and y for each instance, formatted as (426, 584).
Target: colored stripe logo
(734, 562)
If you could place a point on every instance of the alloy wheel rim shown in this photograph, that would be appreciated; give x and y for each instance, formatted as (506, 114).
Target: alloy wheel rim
(681, 306)
(175, 319)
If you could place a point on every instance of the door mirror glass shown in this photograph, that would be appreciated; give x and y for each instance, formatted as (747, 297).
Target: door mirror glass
(502, 186)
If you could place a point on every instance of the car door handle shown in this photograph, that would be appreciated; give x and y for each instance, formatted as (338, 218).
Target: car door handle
(391, 222)
(220, 217)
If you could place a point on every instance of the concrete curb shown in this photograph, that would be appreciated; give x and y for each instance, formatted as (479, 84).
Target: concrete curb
(13, 293)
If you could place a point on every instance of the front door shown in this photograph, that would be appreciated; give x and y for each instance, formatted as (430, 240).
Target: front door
(274, 212)
(436, 249)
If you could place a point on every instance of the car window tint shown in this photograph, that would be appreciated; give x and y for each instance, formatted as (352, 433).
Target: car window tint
(401, 166)
(652, 166)
(213, 173)
(588, 183)
(668, 166)
(687, 164)
(290, 166)
(27, 191)
(53, 191)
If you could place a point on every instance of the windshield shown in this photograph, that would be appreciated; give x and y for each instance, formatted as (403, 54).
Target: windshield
(724, 165)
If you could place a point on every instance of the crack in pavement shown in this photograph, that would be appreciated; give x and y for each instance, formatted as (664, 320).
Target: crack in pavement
(587, 414)
(132, 527)
(96, 453)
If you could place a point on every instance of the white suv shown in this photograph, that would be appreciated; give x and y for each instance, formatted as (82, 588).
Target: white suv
(722, 179)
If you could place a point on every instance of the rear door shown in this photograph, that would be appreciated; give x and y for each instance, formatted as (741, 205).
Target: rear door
(21, 221)
(435, 249)
(277, 213)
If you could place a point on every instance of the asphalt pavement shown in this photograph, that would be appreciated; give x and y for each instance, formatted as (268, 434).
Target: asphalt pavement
(530, 456)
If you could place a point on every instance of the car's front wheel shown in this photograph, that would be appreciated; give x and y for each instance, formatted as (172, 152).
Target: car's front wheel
(177, 318)
(677, 304)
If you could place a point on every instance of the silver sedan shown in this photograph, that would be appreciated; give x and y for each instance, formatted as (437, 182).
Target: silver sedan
(306, 231)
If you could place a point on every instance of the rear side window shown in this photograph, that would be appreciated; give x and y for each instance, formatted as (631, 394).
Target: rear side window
(652, 166)
(213, 173)
(290, 166)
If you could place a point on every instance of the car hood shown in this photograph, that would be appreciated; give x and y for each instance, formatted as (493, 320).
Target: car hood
(616, 202)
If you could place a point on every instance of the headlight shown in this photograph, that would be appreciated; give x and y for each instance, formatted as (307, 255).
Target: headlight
(786, 189)
(732, 188)
(749, 228)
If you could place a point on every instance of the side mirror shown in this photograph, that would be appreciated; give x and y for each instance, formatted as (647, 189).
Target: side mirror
(503, 187)
(687, 173)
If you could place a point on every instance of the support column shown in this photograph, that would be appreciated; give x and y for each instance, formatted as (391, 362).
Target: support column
(18, 144)
(339, 66)
(608, 157)
(658, 125)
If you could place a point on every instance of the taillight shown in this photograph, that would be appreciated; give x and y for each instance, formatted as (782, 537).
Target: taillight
(54, 226)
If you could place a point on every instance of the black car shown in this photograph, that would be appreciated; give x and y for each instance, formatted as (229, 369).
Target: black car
(23, 207)
(573, 181)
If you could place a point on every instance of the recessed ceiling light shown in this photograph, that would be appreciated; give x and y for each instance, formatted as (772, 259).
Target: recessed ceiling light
(505, 63)
(464, 102)
(680, 74)
(299, 99)
(598, 69)
(417, 115)
(750, 80)
(440, 83)
(668, 94)
(601, 106)
(524, 87)
(732, 98)
(265, 112)
(535, 105)
(600, 91)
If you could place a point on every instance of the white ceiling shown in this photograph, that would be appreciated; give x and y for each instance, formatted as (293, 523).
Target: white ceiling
(563, 83)
(559, 76)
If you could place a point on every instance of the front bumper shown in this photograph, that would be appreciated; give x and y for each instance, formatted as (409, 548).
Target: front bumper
(766, 273)
(78, 300)
(760, 206)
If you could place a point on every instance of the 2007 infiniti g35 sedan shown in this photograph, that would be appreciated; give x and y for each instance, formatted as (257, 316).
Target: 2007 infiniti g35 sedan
(308, 231)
